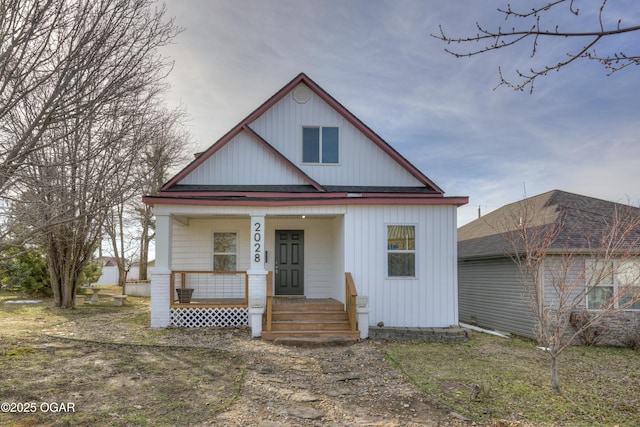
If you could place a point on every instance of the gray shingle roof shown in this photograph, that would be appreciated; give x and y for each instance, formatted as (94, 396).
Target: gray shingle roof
(582, 219)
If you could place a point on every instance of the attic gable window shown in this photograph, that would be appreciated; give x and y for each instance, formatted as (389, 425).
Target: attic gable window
(320, 145)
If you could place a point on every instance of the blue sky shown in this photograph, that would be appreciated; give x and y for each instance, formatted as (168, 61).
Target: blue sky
(579, 131)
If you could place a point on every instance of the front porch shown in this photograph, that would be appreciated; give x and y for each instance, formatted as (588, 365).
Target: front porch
(221, 299)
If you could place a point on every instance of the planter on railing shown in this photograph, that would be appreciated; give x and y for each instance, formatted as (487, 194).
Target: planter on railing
(184, 295)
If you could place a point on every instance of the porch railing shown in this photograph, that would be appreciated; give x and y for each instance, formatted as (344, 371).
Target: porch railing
(211, 288)
(350, 301)
(269, 301)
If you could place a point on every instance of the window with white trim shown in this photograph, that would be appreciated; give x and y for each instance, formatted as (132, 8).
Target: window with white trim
(225, 251)
(618, 280)
(401, 251)
(320, 145)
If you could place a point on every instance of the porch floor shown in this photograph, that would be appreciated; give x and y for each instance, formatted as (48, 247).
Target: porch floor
(211, 302)
(295, 300)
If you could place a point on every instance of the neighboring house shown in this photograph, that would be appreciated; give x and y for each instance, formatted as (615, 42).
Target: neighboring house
(109, 271)
(491, 292)
(290, 201)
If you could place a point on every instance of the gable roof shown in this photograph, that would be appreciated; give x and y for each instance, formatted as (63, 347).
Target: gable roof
(582, 219)
(174, 189)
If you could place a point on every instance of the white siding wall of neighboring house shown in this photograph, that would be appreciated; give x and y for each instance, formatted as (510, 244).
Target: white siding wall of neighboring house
(243, 161)
(571, 272)
(491, 295)
(109, 276)
(360, 160)
(430, 299)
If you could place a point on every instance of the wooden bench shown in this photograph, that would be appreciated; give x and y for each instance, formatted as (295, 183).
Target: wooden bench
(118, 300)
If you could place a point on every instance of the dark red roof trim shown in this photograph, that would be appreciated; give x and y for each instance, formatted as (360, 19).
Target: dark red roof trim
(333, 199)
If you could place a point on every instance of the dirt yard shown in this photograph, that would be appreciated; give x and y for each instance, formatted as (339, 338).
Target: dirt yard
(104, 366)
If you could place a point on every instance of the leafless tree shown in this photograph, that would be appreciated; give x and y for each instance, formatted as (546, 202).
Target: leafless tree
(560, 263)
(68, 120)
(61, 62)
(167, 151)
(129, 226)
(547, 21)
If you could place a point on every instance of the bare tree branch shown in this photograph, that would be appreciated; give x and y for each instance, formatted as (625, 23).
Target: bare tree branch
(494, 39)
(79, 75)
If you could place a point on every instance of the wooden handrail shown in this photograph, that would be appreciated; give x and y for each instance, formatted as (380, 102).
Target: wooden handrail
(269, 301)
(350, 301)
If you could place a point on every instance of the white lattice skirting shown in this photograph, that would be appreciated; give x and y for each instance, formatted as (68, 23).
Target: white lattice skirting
(203, 317)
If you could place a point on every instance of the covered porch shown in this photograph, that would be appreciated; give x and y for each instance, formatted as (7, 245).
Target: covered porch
(238, 266)
(213, 299)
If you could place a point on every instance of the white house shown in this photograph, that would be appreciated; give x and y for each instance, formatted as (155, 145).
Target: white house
(302, 199)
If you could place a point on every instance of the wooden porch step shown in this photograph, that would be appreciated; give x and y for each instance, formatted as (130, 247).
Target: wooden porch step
(310, 322)
(304, 305)
(310, 315)
(310, 325)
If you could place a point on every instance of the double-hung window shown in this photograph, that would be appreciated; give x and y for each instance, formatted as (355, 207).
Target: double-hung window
(401, 250)
(616, 282)
(320, 145)
(225, 251)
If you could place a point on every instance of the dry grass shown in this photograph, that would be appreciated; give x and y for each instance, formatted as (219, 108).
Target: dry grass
(99, 383)
(500, 381)
(116, 372)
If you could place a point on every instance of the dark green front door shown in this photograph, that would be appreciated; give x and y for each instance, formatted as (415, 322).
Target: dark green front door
(289, 267)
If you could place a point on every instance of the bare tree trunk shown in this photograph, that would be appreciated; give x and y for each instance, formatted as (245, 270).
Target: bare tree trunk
(555, 380)
(144, 246)
(66, 260)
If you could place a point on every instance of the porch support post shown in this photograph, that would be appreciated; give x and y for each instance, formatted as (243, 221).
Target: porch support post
(257, 276)
(362, 310)
(160, 278)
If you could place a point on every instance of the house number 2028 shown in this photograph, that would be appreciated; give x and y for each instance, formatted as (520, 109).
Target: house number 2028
(257, 241)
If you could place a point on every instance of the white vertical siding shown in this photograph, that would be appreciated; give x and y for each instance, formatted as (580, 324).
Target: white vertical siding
(430, 299)
(361, 161)
(346, 238)
(243, 161)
